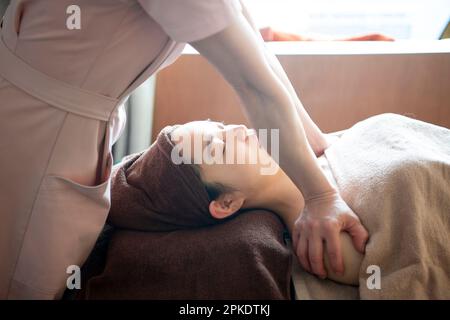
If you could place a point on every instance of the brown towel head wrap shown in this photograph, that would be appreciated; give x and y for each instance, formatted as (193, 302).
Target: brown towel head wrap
(149, 192)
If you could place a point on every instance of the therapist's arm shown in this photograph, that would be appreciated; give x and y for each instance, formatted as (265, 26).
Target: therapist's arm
(318, 141)
(240, 57)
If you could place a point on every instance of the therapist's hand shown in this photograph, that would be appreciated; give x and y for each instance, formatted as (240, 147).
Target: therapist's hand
(321, 222)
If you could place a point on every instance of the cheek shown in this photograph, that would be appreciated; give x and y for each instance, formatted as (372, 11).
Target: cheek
(229, 175)
(246, 176)
(243, 177)
(247, 153)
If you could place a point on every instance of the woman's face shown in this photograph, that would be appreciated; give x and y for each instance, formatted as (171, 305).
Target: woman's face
(227, 154)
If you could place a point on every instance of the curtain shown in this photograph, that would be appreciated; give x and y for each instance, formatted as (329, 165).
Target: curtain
(136, 135)
(3, 5)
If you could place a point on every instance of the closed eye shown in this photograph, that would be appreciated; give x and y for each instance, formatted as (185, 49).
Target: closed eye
(221, 126)
(210, 144)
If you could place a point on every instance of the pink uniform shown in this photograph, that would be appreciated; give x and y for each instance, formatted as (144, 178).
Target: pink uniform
(61, 95)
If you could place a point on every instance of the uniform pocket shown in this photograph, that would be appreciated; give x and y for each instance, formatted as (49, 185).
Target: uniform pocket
(65, 222)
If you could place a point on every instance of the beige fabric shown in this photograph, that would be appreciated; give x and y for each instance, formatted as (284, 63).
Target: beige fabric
(61, 94)
(394, 172)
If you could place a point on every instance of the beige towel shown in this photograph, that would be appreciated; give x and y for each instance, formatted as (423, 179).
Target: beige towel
(394, 172)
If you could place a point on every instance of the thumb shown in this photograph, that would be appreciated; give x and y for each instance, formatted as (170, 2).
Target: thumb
(357, 231)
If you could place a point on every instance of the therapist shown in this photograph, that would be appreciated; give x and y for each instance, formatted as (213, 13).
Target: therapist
(66, 68)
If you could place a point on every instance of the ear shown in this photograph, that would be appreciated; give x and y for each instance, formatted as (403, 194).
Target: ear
(226, 205)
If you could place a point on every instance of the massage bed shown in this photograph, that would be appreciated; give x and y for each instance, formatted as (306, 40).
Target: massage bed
(393, 171)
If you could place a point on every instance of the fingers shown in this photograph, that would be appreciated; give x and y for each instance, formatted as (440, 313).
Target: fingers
(302, 253)
(334, 251)
(315, 253)
(358, 233)
(359, 236)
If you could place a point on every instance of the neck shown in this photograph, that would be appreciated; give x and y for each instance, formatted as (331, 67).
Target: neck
(280, 195)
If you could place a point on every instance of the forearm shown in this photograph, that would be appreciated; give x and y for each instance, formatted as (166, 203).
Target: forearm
(311, 180)
(313, 133)
(275, 111)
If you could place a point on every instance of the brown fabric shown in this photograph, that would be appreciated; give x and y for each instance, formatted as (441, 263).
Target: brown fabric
(151, 193)
(174, 248)
(244, 258)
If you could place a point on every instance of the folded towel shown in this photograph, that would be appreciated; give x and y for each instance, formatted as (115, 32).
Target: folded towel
(394, 172)
(244, 258)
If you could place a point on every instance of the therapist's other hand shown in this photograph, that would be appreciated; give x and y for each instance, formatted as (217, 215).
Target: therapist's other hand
(322, 220)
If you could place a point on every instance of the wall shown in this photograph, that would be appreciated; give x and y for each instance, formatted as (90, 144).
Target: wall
(336, 89)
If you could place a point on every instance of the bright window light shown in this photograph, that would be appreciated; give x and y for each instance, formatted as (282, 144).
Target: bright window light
(401, 19)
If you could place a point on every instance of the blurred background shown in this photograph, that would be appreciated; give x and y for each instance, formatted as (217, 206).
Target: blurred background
(400, 19)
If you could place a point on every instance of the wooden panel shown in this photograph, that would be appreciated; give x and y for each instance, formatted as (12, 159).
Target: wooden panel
(336, 90)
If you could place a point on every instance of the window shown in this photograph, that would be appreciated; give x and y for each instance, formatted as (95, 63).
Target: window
(400, 19)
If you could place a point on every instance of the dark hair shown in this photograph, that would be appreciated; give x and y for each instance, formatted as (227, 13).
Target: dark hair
(214, 189)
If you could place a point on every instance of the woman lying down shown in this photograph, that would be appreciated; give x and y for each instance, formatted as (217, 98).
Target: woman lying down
(393, 171)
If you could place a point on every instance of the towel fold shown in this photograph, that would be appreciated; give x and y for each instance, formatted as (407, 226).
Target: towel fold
(245, 258)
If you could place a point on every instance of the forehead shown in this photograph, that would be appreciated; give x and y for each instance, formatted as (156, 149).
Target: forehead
(198, 127)
(194, 131)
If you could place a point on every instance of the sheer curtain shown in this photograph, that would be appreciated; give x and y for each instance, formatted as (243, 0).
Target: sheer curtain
(3, 5)
(136, 135)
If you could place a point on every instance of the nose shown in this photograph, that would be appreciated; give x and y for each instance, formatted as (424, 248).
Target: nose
(240, 131)
(250, 132)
